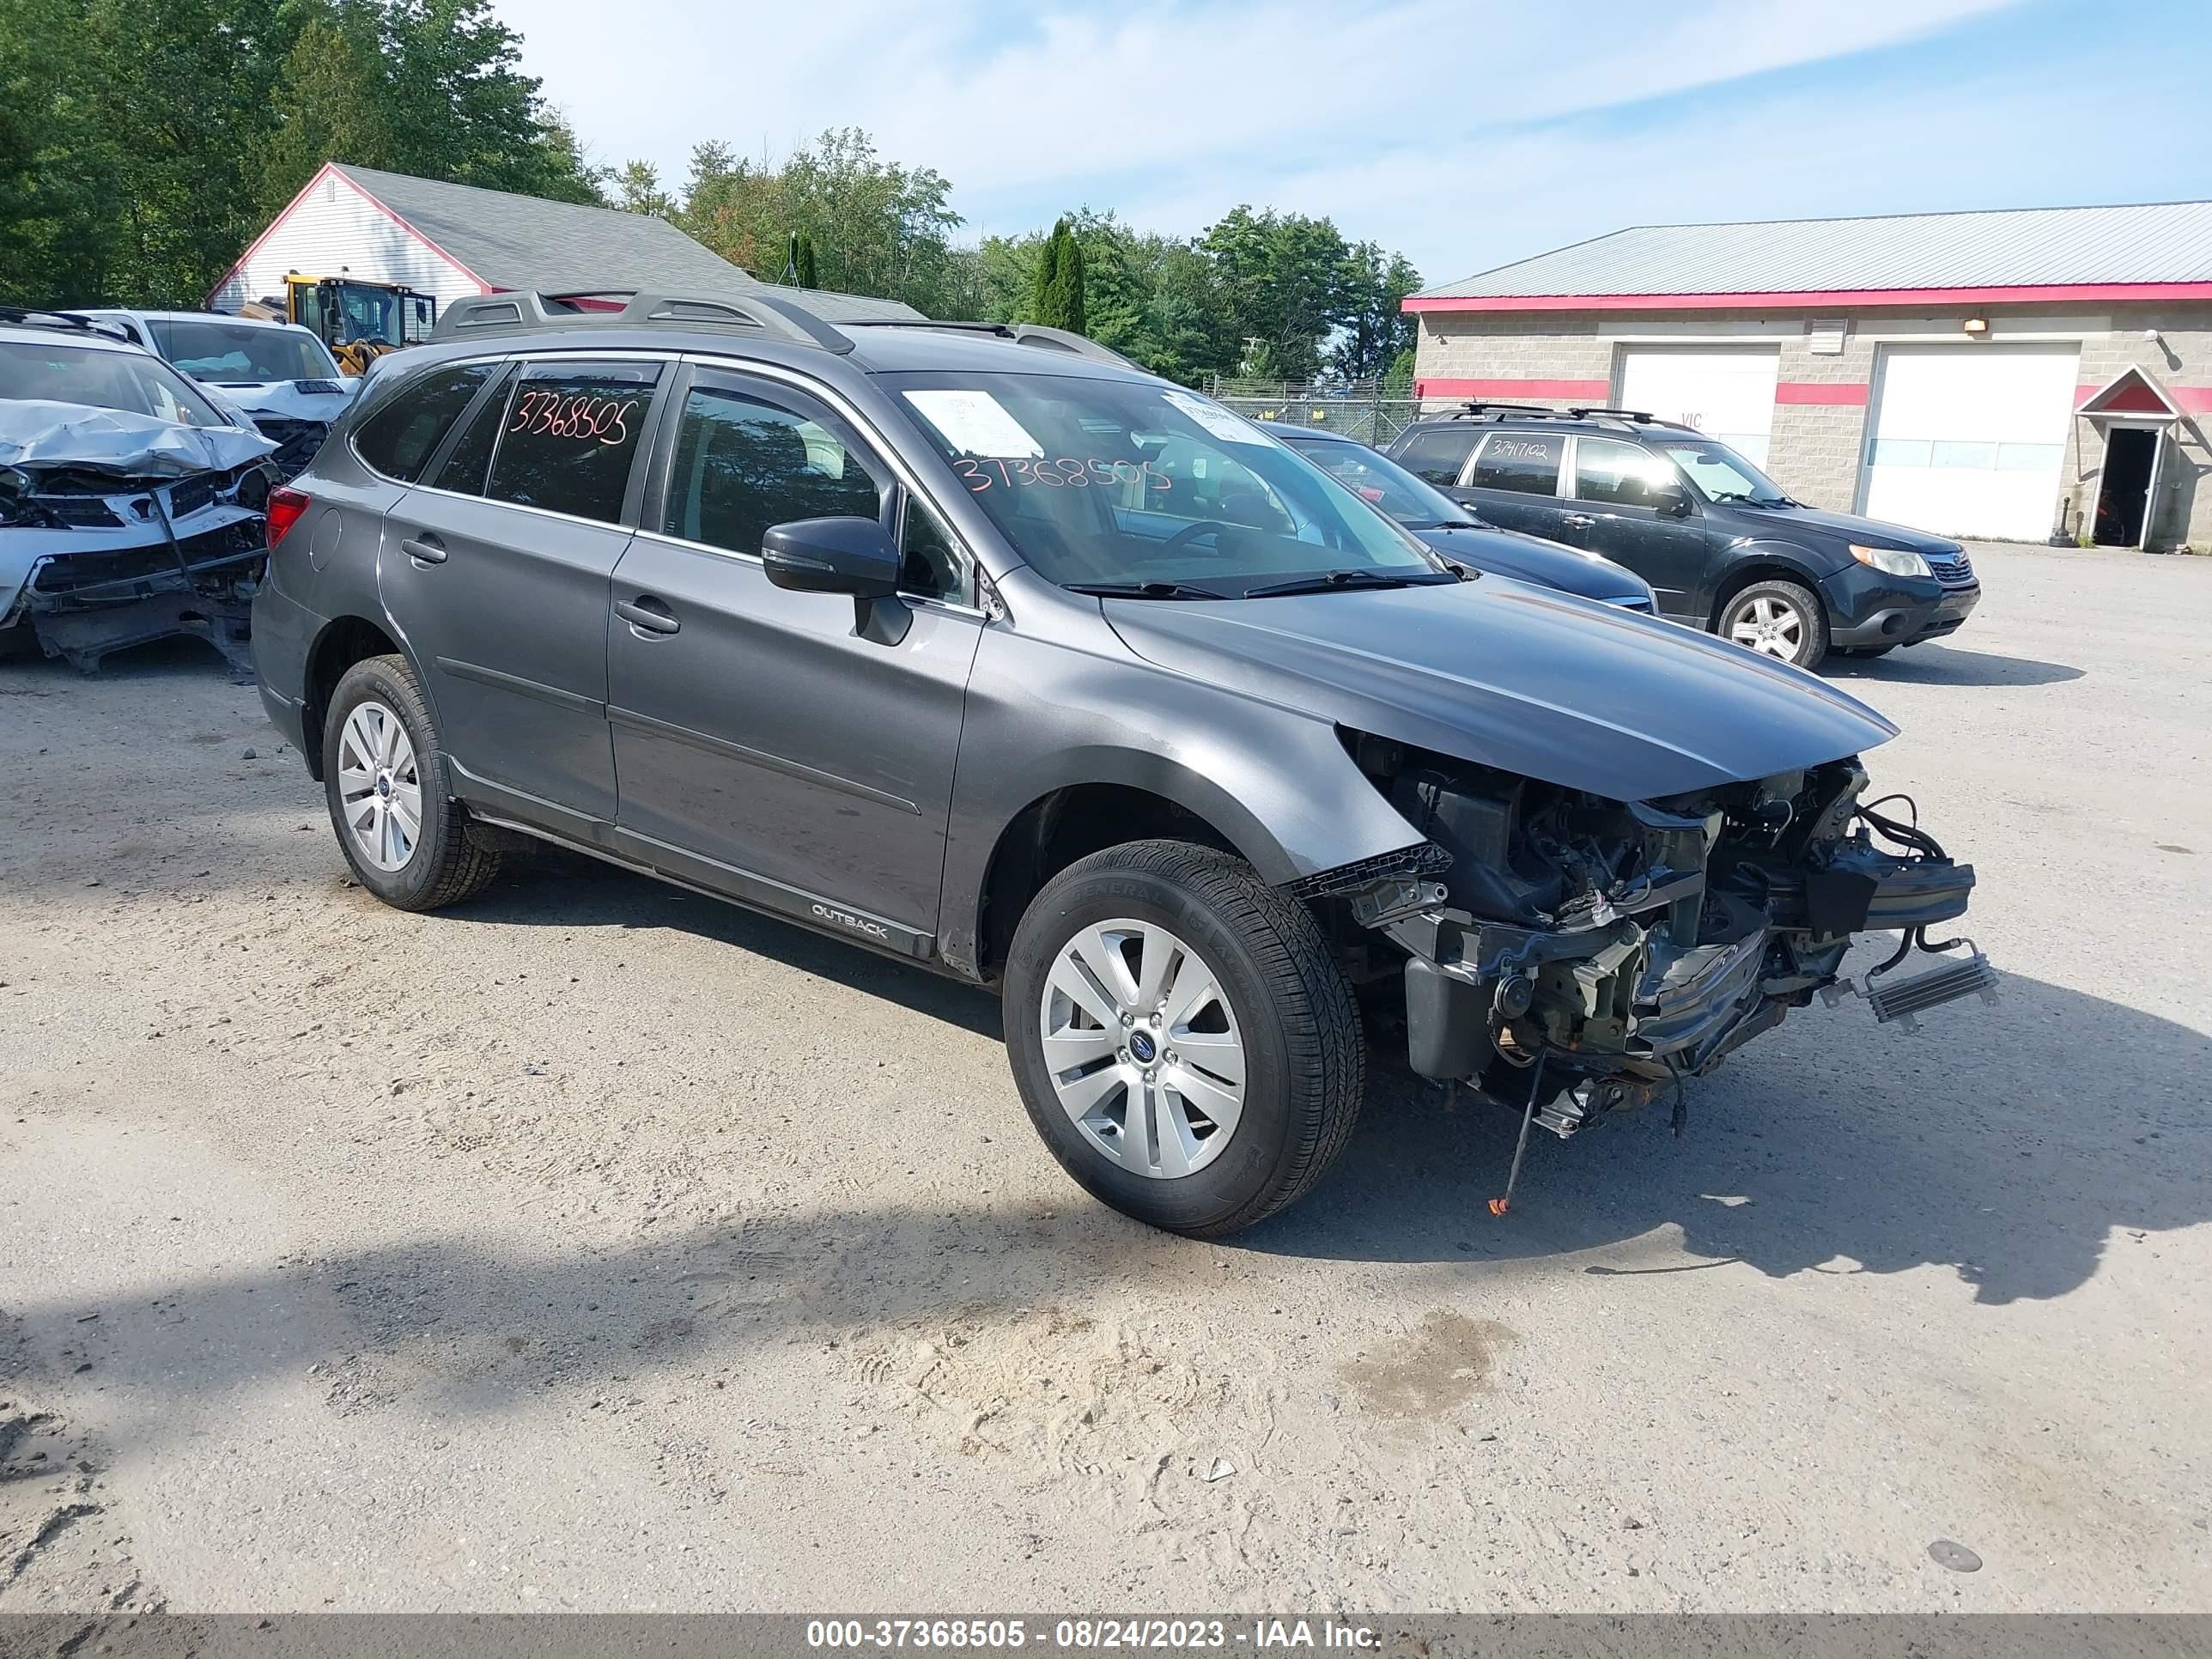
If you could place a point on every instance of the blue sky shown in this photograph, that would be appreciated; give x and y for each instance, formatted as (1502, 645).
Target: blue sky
(1465, 133)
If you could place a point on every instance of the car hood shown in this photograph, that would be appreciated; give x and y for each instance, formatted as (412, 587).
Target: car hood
(1542, 683)
(1847, 526)
(296, 400)
(1533, 559)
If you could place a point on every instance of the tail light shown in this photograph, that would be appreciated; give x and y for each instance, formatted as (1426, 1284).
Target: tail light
(285, 507)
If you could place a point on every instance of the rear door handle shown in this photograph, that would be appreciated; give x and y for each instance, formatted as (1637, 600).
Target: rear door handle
(1578, 521)
(424, 549)
(648, 615)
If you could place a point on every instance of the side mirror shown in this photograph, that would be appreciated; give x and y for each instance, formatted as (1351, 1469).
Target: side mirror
(852, 556)
(1672, 501)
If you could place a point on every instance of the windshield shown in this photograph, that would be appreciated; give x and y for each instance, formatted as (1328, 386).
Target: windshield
(239, 353)
(1375, 477)
(1723, 474)
(1130, 483)
(62, 372)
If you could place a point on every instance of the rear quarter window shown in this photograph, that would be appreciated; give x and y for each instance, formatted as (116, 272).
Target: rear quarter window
(398, 439)
(1438, 454)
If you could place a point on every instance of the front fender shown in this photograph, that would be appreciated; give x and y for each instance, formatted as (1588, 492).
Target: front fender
(1808, 564)
(1276, 783)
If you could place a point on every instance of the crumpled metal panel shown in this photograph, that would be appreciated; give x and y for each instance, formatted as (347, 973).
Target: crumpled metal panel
(36, 435)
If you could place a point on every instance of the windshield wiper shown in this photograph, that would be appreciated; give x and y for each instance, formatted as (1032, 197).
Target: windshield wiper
(1447, 523)
(1336, 579)
(1144, 590)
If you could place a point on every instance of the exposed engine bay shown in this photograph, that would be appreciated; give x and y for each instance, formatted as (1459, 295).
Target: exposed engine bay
(1575, 955)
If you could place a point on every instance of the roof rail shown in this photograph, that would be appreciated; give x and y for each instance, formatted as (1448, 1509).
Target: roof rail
(1640, 417)
(1478, 409)
(39, 316)
(520, 309)
(1029, 334)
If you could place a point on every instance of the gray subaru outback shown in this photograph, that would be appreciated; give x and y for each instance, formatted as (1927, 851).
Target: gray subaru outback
(979, 646)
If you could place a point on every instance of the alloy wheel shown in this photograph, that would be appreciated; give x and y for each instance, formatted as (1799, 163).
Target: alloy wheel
(379, 786)
(1770, 626)
(1142, 1048)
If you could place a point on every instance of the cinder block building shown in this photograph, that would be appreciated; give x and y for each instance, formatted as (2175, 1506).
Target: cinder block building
(2023, 374)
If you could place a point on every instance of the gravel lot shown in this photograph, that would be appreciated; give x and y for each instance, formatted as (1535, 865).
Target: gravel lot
(600, 1246)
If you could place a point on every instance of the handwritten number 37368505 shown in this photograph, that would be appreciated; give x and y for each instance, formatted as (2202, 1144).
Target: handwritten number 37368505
(587, 419)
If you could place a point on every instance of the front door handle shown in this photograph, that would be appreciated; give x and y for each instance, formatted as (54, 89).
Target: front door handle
(648, 615)
(1578, 521)
(424, 549)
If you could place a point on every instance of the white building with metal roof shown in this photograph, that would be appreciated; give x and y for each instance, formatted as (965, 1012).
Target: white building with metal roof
(451, 240)
(2021, 373)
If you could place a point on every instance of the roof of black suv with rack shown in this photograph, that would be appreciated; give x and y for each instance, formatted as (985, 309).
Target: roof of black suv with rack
(885, 344)
(1596, 416)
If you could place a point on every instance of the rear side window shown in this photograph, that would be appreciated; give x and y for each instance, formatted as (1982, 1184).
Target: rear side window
(570, 434)
(743, 464)
(1525, 461)
(1438, 454)
(399, 439)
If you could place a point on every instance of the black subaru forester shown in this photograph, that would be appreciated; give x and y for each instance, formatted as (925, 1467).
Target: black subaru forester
(1724, 547)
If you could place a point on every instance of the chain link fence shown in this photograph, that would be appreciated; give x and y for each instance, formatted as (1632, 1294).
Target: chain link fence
(1364, 411)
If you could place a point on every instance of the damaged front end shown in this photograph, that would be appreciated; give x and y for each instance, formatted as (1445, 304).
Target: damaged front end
(1574, 955)
(118, 529)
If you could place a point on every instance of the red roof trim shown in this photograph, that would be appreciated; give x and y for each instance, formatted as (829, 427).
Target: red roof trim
(1590, 392)
(2042, 294)
(330, 169)
(1849, 392)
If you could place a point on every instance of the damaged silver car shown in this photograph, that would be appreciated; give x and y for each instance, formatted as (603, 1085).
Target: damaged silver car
(278, 375)
(975, 645)
(131, 509)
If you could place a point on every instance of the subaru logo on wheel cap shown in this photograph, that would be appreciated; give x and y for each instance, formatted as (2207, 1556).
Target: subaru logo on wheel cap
(1140, 1048)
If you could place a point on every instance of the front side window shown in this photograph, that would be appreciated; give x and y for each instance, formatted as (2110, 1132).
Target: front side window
(1618, 474)
(1439, 455)
(743, 464)
(1105, 483)
(240, 353)
(399, 436)
(104, 377)
(930, 561)
(570, 434)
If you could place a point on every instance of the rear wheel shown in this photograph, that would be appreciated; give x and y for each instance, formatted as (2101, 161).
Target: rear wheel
(1182, 1036)
(385, 779)
(1778, 619)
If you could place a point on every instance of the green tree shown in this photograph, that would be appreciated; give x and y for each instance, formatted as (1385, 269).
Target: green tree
(1282, 280)
(635, 188)
(1059, 302)
(1372, 327)
(1045, 274)
(809, 268)
(143, 143)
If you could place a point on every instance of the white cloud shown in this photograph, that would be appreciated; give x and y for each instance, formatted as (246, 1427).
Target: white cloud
(1438, 126)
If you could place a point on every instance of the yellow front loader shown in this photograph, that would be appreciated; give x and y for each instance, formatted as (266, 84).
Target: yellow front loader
(359, 321)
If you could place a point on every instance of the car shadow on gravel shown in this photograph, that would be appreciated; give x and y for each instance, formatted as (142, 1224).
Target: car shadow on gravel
(2079, 1127)
(2014, 1144)
(547, 886)
(1937, 664)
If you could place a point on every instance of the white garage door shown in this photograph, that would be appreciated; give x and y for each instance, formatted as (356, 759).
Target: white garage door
(1725, 392)
(1969, 440)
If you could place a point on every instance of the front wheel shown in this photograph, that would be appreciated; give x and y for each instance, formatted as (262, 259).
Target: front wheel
(1778, 619)
(1182, 1036)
